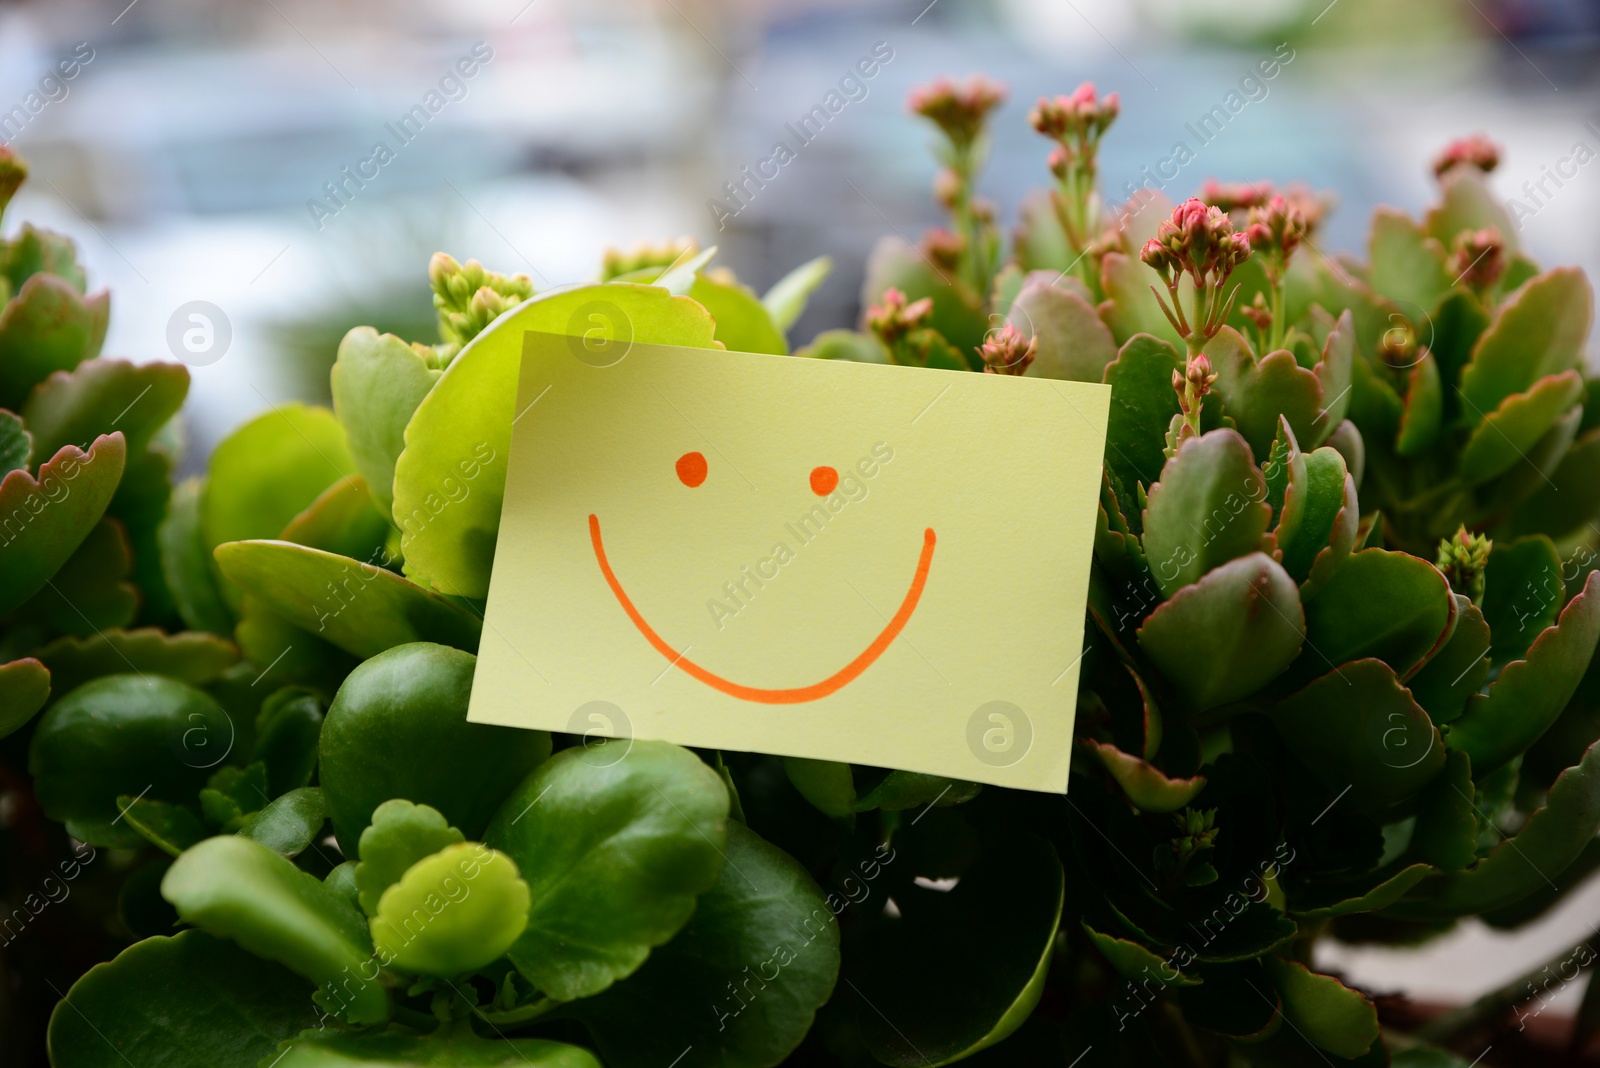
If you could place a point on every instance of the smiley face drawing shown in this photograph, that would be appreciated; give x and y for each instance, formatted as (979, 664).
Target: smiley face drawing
(692, 469)
(808, 558)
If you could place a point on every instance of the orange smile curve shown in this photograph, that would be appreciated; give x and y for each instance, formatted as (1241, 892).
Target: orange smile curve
(798, 694)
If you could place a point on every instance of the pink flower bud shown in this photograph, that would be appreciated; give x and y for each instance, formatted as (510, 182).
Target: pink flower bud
(1477, 151)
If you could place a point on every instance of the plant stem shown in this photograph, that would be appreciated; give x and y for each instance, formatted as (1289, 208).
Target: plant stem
(1497, 1001)
(520, 1015)
(1280, 329)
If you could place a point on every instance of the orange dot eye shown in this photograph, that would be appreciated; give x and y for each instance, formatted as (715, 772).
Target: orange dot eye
(824, 480)
(692, 469)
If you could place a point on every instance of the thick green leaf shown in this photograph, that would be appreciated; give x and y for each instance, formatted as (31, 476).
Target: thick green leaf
(1328, 899)
(1569, 499)
(1358, 728)
(287, 729)
(1529, 694)
(1320, 518)
(743, 322)
(1147, 786)
(1446, 831)
(188, 657)
(1550, 840)
(1538, 332)
(1257, 393)
(1142, 406)
(1135, 962)
(192, 1001)
(170, 828)
(787, 298)
(765, 928)
(456, 1047)
(134, 735)
(267, 472)
(398, 728)
(1229, 634)
(47, 326)
(16, 444)
(451, 913)
(401, 834)
(343, 520)
(24, 688)
(615, 855)
(1469, 204)
(827, 784)
(845, 345)
(288, 824)
(236, 888)
(186, 563)
(1523, 594)
(1458, 670)
(36, 250)
(450, 480)
(1382, 604)
(359, 607)
(101, 396)
(1071, 341)
(1040, 242)
(1209, 507)
(43, 520)
(1424, 411)
(1508, 433)
(1327, 1013)
(88, 595)
(959, 971)
(378, 381)
(1407, 264)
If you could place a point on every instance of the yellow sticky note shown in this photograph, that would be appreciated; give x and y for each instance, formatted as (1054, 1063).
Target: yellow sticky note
(881, 565)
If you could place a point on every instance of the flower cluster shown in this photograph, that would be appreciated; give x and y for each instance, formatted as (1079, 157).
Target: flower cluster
(1464, 559)
(896, 317)
(1200, 241)
(1478, 257)
(468, 297)
(617, 262)
(1007, 352)
(1476, 151)
(1075, 122)
(960, 111)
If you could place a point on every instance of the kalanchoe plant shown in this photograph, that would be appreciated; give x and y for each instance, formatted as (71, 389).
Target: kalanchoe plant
(1337, 678)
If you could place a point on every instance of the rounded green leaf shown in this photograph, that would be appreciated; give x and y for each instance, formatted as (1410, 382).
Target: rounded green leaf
(827, 784)
(1230, 633)
(764, 927)
(1209, 507)
(1525, 862)
(47, 326)
(1319, 522)
(378, 381)
(1071, 341)
(88, 594)
(1508, 433)
(236, 888)
(900, 790)
(960, 970)
(1469, 204)
(267, 472)
(615, 855)
(1382, 604)
(1257, 393)
(188, 657)
(357, 606)
(1146, 785)
(1407, 264)
(743, 322)
(100, 396)
(446, 1048)
(24, 688)
(1357, 728)
(1523, 593)
(342, 520)
(1539, 331)
(845, 345)
(1530, 694)
(289, 823)
(191, 1001)
(1142, 406)
(43, 520)
(450, 480)
(401, 834)
(186, 563)
(451, 913)
(398, 728)
(1327, 1013)
(1424, 411)
(125, 735)
(1135, 962)
(1458, 670)
(287, 729)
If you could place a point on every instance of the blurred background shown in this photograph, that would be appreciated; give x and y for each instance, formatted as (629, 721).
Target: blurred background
(224, 151)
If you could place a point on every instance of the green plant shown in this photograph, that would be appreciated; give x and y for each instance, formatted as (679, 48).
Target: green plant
(1336, 684)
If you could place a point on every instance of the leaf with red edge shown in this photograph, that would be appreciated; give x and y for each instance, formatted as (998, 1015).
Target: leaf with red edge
(1530, 694)
(48, 326)
(1509, 432)
(99, 396)
(1257, 392)
(1538, 331)
(1407, 264)
(1147, 786)
(89, 594)
(1382, 604)
(1071, 341)
(43, 520)
(1209, 507)
(192, 657)
(24, 688)
(1327, 1013)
